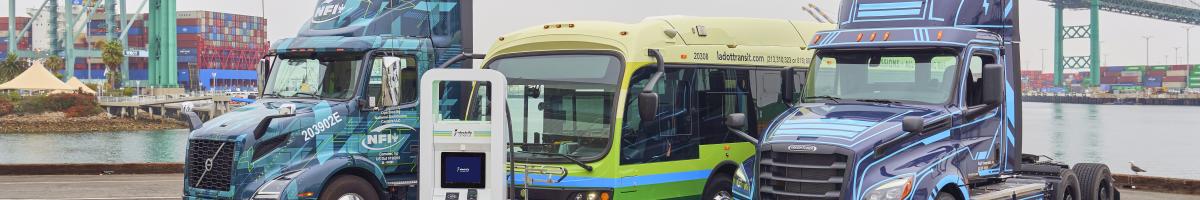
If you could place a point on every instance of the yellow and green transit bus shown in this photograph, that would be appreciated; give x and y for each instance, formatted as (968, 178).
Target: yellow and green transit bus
(575, 89)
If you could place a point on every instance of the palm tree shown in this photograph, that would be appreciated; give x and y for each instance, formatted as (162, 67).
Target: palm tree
(112, 54)
(12, 66)
(54, 64)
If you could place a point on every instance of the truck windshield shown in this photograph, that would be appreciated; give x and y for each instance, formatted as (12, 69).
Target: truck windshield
(560, 104)
(326, 78)
(889, 76)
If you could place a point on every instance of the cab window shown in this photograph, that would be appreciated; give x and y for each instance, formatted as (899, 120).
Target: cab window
(393, 81)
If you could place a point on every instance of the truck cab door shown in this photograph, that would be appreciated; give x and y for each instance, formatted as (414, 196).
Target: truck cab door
(980, 122)
(389, 105)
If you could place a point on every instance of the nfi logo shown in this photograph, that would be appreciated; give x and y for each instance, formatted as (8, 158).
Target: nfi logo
(330, 9)
(387, 136)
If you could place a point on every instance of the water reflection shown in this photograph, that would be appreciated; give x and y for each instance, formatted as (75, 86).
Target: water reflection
(105, 147)
(1160, 139)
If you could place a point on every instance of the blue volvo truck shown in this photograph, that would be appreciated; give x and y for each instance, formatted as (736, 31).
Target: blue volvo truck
(337, 113)
(914, 99)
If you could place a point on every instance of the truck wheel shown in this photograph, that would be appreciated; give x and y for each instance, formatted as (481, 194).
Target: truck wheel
(945, 196)
(1068, 188)
(719, 187)
(349, 187)
(1095, 181)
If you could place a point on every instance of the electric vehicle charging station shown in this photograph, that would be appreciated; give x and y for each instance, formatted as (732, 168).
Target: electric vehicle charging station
(462, 136)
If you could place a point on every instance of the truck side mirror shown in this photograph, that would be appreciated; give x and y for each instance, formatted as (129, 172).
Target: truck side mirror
(264, 70)
(648, 105)
(789, 85)
(913, 124)
(993, 78)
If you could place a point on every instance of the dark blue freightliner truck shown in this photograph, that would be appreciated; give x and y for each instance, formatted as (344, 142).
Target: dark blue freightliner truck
(914, 99)
(337, 113)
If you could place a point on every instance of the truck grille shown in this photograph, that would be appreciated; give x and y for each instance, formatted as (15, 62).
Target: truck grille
(794, 176)
(209, 164)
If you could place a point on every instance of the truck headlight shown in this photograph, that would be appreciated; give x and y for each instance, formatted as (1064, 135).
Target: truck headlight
(272, 189)
(896, 188)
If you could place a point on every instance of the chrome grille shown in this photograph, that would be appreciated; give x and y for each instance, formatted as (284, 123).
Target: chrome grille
(786, 175)
(205, 174)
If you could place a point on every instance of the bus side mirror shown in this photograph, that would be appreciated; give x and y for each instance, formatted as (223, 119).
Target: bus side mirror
(789, 85)
(993, 78)
(648, 105)
(735, 120)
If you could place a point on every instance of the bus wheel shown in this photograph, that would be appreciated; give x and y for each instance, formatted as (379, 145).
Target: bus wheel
(1095, 181)
(719, 187)
(349, 187)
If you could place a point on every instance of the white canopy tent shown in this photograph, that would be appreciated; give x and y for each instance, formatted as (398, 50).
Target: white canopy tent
(75, 83)
(36, 78)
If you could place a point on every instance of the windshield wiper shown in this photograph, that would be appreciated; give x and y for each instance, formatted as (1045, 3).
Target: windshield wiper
(309, 94)
(883, 101)
(568, 157)
(271, 94)
(831, 98)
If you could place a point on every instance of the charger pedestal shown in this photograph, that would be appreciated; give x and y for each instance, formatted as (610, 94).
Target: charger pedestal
(463, 126)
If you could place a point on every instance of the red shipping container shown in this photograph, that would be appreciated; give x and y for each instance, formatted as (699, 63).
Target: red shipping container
(1156, 73)
(1180, 67)
(1175, 79)
(1129, 79)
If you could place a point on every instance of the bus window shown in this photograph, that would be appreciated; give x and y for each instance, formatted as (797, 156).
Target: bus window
(665, 138)
(722, 92)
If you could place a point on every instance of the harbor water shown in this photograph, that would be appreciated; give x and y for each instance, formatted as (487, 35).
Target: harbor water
(1160, 139)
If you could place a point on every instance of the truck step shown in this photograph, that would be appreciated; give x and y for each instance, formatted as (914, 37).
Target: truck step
(1011, 189)
(409, 183)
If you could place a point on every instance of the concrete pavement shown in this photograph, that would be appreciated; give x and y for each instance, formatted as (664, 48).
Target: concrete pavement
(169, 186)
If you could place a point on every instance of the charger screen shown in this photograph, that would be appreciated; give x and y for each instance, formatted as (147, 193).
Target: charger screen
(462, 170)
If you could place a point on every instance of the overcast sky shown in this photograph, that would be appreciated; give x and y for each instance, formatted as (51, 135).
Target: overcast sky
(1122, 35)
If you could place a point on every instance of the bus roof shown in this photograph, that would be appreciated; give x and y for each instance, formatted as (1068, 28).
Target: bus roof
(681, 39)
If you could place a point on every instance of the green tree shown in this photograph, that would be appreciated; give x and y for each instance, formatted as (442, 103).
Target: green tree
(112, 54)
(12, 66)
(55, 64)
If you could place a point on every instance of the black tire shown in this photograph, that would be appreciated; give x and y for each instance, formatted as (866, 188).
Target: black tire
(1095, 181)
(719, 187)
(945, 196)
(343, 185)
(1068, 187)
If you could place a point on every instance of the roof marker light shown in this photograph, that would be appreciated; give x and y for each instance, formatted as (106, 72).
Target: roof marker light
(873, 36)
(816, 39)
(887, 35)
(570, 25)
(558, 26)
(939, 36)
(546, 27)
(859, 38)
(683, 56)
(501, 38)
(623, 33)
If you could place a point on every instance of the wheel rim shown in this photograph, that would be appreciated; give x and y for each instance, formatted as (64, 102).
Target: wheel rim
(350, 196)
(722, 195)
(1105, 191)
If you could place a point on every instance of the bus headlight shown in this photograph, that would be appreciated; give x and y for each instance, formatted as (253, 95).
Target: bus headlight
(272, 189)
(896, 188)
(591, 195)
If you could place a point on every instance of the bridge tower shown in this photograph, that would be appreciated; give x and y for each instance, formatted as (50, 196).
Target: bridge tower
(163, 44)
(1090, 31)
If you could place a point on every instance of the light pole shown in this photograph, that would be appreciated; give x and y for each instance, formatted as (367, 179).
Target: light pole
(1147, 49)
(212, 85)
(1176, 55)
(1187, 33)
(1043, 59)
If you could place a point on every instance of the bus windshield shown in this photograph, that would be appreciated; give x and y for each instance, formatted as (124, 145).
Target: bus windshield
(323, 78)
(923, 77)
(560, 106)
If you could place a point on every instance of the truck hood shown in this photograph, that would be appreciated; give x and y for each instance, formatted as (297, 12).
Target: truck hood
(856, 126)
(243, 120)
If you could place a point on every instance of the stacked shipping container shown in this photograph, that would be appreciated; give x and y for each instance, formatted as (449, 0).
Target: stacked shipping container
(216, 50)
(1170, 77)
(24, 41)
